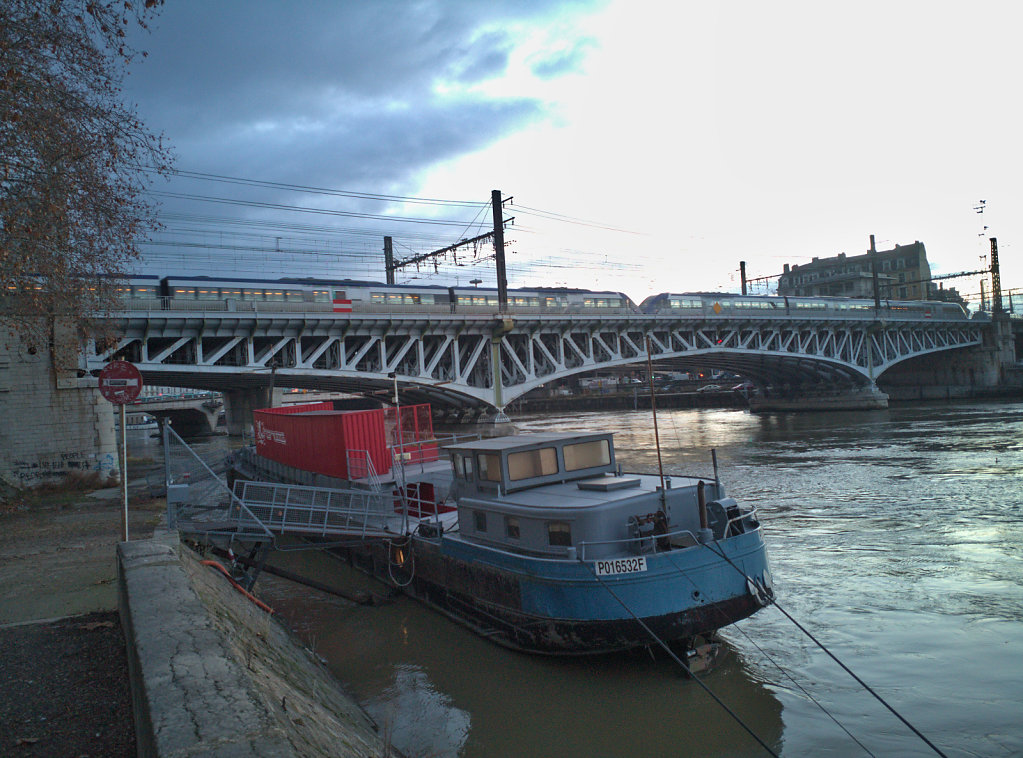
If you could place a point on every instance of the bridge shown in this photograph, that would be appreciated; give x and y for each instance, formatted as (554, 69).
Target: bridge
(484, 359)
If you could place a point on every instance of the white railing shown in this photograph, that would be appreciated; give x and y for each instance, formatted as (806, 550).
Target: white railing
(318, 511)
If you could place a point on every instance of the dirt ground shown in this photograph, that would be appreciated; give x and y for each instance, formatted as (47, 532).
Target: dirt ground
(63, 674)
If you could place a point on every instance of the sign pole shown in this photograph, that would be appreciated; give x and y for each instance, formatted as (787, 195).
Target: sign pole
(124, 474)
(120, 382)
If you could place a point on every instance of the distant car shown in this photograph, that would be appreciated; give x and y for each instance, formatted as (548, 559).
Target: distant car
(710, 388)
(743, 386)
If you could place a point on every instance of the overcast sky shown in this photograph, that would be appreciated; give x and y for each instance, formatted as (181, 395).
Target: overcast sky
(708, 132)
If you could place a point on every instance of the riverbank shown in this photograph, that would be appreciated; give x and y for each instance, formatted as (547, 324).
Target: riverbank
(65, 679)
(64, 675)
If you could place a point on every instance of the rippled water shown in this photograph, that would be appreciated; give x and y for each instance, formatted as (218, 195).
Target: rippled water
(895, 538)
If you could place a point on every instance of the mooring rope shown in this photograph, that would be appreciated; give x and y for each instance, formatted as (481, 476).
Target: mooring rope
(833, 657)
(777, 665)
(680, 662)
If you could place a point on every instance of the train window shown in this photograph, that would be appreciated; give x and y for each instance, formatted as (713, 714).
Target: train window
(185, 292)
(378, 297)
(144, 291)
(294, 296)
(207, 293)
(394, 299)
(248, 294)
(323, 296)
(276, 295)
(231, 294)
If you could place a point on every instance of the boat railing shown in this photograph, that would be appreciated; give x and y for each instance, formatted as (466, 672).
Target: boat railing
(360, 466)
(648, 542)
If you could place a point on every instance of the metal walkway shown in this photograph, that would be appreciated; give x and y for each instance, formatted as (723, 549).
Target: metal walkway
(318, 512)
(200, 502)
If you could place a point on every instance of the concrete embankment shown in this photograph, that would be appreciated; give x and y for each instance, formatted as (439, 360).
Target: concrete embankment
(212, 674)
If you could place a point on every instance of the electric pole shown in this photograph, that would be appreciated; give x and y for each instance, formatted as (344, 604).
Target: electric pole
(502, 277)
(389, 260)
(873, 271)
(996, 279)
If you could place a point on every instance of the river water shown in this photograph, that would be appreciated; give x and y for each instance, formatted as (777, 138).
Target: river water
(895, 539)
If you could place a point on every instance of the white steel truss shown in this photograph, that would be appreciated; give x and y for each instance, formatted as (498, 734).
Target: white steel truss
(473, 360)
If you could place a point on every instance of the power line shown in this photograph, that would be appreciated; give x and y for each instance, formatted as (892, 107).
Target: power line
(317, 190)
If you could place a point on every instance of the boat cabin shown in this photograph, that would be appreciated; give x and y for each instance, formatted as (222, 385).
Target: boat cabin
(502, 465)
(546, 494)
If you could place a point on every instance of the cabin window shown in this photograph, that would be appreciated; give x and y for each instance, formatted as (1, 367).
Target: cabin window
(532, 463)
(489, 466)
(511, 527)
(467, 460)
(480, 520)
(559, 534)
(587, 455)
(459, 466)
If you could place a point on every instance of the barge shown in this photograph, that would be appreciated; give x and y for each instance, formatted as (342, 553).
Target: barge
(539, 542)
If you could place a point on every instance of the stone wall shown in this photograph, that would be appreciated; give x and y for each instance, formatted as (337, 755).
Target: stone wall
(54, 423)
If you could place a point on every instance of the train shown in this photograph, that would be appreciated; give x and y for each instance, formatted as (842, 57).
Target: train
(355, 296)
(720, 304)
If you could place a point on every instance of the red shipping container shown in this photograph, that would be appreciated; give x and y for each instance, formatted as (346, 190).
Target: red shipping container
(314, 437)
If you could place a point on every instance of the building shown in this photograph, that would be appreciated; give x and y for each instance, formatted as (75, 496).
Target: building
(902, 273)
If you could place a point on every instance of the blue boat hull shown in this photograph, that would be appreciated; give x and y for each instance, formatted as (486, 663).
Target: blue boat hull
(562, 607)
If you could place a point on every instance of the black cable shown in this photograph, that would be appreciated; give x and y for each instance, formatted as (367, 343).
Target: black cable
(848, 670)
(679, 661)
(777, 665)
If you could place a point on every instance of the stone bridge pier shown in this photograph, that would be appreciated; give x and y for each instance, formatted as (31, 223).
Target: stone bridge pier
(239, 405)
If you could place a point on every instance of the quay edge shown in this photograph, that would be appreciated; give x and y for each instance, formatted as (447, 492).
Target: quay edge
(212, 674)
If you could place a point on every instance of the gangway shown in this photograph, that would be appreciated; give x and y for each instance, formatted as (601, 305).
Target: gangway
(317, 511)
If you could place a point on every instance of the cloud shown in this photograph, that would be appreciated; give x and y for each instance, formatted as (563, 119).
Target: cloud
(564, 61)
(372, 92)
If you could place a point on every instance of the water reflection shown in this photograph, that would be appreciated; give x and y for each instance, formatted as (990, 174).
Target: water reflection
(436, 688)
(895, 536)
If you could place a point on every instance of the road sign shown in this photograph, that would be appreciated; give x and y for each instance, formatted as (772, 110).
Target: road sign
(120, 382)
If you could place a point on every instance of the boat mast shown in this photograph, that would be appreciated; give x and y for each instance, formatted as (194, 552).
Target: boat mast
(657, 437)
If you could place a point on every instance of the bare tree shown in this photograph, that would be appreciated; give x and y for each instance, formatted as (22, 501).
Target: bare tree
(75, 160)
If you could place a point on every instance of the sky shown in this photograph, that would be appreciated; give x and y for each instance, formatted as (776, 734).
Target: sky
(646, 146)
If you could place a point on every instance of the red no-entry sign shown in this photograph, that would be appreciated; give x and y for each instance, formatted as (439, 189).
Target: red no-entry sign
(120, 382)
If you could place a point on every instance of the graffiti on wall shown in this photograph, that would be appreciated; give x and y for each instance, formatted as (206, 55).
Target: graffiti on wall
(29, 473)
